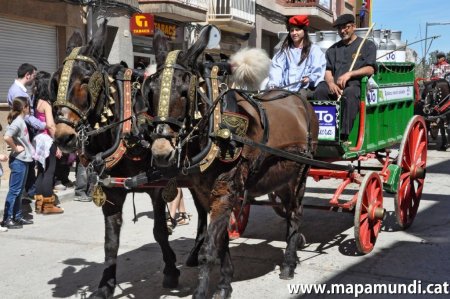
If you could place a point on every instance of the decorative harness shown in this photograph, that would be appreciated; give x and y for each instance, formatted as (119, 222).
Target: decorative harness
(99, 80)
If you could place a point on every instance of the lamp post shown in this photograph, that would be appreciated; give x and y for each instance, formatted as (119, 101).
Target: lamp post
(426, 34)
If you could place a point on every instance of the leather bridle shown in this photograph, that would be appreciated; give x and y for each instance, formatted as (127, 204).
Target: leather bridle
(95, 85)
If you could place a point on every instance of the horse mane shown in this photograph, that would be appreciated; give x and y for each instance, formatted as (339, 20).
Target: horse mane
(250, 67)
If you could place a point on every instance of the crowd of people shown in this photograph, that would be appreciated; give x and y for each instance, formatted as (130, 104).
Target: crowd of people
(35, 162)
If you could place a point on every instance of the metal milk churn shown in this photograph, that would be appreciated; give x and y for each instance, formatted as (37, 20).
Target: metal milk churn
(314, 37)
(376, 37)
(396, 37)
(382, 44)
(328, 39)
(389, 43)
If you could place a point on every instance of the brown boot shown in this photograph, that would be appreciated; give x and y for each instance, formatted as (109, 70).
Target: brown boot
(48, 206)
(38, 204)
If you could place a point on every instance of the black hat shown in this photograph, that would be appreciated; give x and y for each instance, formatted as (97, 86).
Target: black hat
(440, 55)
(344, 20)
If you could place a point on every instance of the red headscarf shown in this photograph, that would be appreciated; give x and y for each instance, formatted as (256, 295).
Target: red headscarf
(299, 21)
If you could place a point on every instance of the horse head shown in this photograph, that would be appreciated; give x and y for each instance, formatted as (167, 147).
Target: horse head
(88, 96)
(172, 97)
(434, 93)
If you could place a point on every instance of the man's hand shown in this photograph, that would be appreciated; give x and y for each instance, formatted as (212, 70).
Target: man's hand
(342, 80)
(304, 80)
(334, 89)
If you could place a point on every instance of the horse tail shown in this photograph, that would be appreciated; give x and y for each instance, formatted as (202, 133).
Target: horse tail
(250, 67)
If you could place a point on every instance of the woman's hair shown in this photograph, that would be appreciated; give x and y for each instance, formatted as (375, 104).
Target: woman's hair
(41, 87)
(288, 42)
(18, 104)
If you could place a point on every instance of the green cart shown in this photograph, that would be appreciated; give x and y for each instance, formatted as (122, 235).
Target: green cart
(386, 122)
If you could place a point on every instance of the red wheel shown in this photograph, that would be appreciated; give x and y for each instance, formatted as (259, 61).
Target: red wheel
(238, 221)
(278, 205)
(412, 158)
(369, 212)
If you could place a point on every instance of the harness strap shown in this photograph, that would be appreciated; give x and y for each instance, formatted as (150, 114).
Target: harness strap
(117, 155)
(214, 150)
(305, 158)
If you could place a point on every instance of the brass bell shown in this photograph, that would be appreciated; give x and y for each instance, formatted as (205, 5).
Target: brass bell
(103, 119)
(110, 79)
(97, 126)
(112, 89)
(111, 101)
(109, 112)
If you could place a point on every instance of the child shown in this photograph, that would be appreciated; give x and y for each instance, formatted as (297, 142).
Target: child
(17, 138)
(3, 158)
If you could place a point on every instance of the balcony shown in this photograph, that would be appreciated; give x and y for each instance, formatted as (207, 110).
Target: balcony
(236, 16)
(179, 10)
(319, 11)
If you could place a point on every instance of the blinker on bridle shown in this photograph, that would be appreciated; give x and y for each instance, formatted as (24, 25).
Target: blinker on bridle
(94, 86)
(165, 90)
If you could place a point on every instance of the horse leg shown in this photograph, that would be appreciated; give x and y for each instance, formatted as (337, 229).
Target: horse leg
(161, 234)
(442, 130)
(223, 195)
(192, 260)
(216, 246)
(293, 220)
(113, 223)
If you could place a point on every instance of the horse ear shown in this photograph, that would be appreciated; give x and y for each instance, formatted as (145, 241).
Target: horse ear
(97, 43)
(160, 46)
(198, 47)
(53, 87)
(75, 40)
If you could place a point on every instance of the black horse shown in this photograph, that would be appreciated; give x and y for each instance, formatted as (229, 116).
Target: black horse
(434, 105)
(212, 135)
(101, 115)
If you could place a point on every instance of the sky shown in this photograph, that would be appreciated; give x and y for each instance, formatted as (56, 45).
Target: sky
(411, 16)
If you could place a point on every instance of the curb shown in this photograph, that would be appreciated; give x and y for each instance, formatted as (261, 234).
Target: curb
(63, 196)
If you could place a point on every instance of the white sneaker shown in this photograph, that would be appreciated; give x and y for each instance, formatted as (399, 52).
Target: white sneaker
(3, 229)
(60, 187)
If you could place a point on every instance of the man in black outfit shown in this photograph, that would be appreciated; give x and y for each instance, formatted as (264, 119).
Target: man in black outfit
(339, 81)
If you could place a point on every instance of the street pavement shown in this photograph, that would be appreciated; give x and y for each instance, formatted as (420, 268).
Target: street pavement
(61, 256)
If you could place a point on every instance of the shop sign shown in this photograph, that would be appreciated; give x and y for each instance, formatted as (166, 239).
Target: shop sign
(142, 24)
(169, 30)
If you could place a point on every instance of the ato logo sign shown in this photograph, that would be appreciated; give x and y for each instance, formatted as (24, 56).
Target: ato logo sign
(327, 122)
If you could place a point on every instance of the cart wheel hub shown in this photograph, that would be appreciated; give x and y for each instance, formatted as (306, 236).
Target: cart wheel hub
(418, 173)
(376, 212)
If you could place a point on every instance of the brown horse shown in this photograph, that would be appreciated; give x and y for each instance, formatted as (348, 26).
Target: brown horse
(90, 92)
(221, 169)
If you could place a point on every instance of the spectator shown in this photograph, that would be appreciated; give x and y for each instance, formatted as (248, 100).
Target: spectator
(46, 150)
(17, 138)
(183, 217)
(441, 67)
(3, 158)
(63, 165)
(299, 65)
(25, 77)
(341, 83)
(81, 184)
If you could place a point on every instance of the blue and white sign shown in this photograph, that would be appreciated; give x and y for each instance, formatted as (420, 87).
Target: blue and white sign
(372, 97)
(327, 122)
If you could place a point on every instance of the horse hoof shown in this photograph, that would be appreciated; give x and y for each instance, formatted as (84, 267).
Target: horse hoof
(287, 273)
(192, 261)
(170, 281)
(223, 293)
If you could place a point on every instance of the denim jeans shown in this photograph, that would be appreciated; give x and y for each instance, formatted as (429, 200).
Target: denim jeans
(17, 179)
